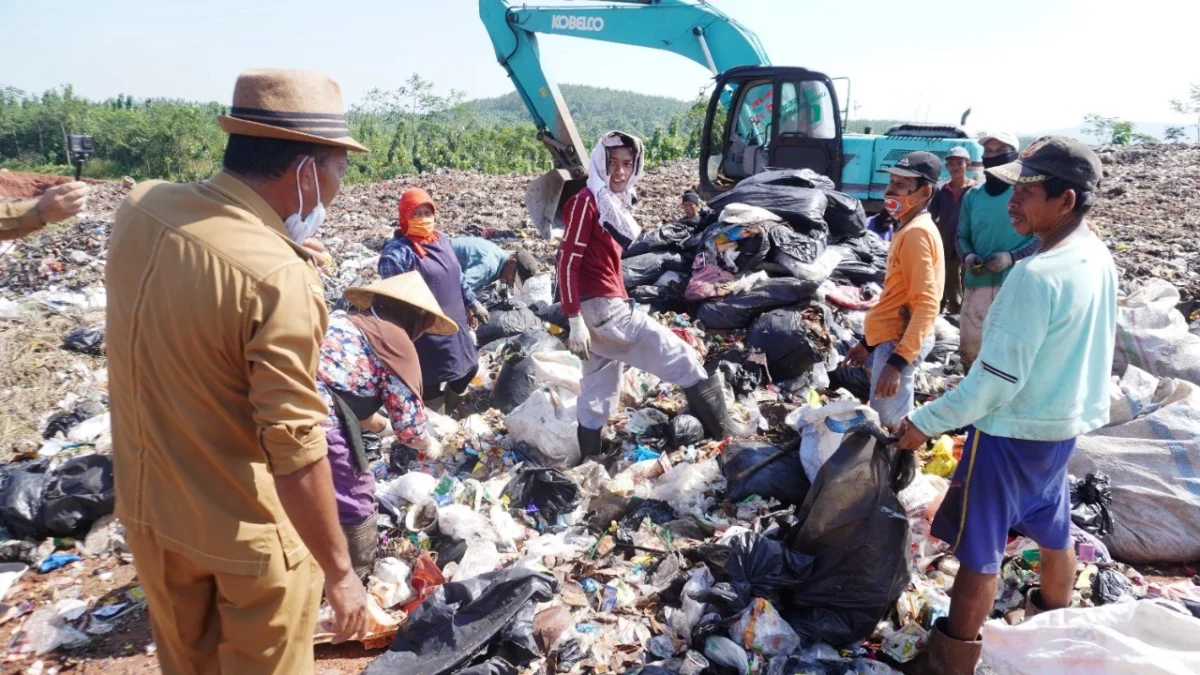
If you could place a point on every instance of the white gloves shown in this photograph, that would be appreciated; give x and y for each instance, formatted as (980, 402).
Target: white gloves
(973, 264)
(579, 341)
(998, 262)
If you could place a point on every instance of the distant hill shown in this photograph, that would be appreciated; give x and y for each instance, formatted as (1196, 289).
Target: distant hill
(1155, 129)
(596, 110)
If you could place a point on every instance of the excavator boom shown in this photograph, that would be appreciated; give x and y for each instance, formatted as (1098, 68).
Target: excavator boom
(690, 28)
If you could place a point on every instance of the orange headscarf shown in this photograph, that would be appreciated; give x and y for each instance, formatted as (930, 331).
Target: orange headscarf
(412, 199)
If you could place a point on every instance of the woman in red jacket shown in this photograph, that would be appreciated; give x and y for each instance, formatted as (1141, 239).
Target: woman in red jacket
(605, 331)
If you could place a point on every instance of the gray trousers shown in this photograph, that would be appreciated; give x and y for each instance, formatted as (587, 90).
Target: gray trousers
(622, 336)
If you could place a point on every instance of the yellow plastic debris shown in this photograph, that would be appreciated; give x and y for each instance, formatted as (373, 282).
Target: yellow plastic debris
(943, 463)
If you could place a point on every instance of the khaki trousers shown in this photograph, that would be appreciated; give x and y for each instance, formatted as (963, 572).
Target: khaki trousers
(976, 303)
(208, 623)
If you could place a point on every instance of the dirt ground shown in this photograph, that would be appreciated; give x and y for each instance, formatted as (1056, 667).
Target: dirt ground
(16, 185)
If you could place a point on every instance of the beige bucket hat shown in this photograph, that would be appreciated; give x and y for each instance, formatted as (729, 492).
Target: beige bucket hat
(292, 105)
(407, 289)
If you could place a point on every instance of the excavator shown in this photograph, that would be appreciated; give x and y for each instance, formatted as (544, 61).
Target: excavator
(759, 117)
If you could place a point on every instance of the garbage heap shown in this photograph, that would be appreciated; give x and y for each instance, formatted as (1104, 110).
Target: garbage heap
(800, 546)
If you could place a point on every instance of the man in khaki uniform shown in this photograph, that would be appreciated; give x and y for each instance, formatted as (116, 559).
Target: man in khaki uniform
(215, 319)
(60, 202)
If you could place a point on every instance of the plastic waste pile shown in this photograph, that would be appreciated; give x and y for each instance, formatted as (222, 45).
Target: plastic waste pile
(675, 554)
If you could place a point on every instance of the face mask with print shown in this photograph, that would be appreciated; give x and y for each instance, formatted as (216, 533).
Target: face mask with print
(898, 205)
(301, 229)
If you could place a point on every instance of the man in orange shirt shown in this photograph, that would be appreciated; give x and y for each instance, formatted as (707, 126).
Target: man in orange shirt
(899, 330)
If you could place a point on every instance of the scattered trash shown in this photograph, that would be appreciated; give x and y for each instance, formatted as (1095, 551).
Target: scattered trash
(85, 341)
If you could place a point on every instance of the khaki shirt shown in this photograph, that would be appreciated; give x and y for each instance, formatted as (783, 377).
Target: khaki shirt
(215, 320)
(18, 219)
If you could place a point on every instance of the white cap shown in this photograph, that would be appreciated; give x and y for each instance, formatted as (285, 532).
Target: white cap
(1004, 137)
(960, 152)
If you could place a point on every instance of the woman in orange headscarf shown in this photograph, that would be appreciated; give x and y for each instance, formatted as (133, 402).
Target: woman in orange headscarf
(448, 362)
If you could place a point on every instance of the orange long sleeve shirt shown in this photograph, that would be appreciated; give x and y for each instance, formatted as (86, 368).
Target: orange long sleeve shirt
(916, 271)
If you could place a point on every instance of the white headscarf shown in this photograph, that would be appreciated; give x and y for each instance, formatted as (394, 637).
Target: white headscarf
(615, 213)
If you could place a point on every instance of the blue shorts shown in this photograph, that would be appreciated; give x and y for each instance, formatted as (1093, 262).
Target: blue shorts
(1003, 484)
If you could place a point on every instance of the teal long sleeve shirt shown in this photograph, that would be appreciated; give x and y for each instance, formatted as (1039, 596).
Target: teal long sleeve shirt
(984, 228)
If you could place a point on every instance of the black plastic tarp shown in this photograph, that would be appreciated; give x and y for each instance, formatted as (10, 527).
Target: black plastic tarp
(794, 177)
(470, 622)
(739, 309)
(668, 236)
(542, 493)
(845, 216)
(78, 494)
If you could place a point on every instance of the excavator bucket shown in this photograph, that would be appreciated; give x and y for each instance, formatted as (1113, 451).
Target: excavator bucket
(545, 196)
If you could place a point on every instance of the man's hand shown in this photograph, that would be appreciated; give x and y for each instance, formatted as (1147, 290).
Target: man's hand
(348, 600)
(62, 201)
(911, 437)
(889, 382)
(974, 265)
(857, 356)
(481, 312)
(998, 262)
(579, 340)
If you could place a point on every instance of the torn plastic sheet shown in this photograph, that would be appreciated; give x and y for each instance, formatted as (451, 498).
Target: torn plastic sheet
(454, 624)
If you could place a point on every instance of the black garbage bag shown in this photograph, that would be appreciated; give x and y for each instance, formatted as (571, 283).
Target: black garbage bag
(85, 341)
(658, 298)
(543, 493)
(508, 318)
(484, 618)
(739, 309)
(372, 445)
(783, 479)
(19, 552)
(793, 338)
(514, 382)
(803, 208)
(647, 268)
(792, 249)
(758, 567)
(806, 178)
(63, 422)
(855, 528)
(22, 487)
(744, 370)
(492, 294)
(686, 430)
(845, 217)
(1091, 504)
(669, 236)
(78, 494)
(1110, 586)
(658, 511)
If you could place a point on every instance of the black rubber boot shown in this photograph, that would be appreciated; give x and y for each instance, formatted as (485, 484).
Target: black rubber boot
(706, 400)
(437, 404)
(452, 400)
(590, 443)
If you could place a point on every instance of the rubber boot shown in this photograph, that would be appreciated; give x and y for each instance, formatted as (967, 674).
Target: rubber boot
(944, 655)
(591, 442)
(452, 399)
(706, 400)
(437, 404)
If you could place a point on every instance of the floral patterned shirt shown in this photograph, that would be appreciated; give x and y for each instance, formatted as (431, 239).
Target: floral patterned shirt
(349, 364)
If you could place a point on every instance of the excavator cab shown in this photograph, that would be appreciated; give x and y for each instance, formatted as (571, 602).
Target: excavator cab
(766, 117)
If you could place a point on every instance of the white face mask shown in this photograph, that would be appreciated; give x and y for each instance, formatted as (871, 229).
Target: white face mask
(300, 229)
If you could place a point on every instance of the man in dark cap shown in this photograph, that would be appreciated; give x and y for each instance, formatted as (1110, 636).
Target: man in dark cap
(693, 206)
(898, 331)
(1041, 380)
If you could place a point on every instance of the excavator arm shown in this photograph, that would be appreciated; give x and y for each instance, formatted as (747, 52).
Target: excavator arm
(690, 28)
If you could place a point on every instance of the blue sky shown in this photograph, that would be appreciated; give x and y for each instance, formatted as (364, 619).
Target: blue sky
(926, 61)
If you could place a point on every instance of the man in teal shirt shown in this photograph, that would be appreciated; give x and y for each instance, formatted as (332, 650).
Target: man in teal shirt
(483, 262)
(1042, 381)
(987, 244)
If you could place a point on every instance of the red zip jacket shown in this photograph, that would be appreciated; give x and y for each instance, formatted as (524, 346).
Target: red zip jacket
(589, 259)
